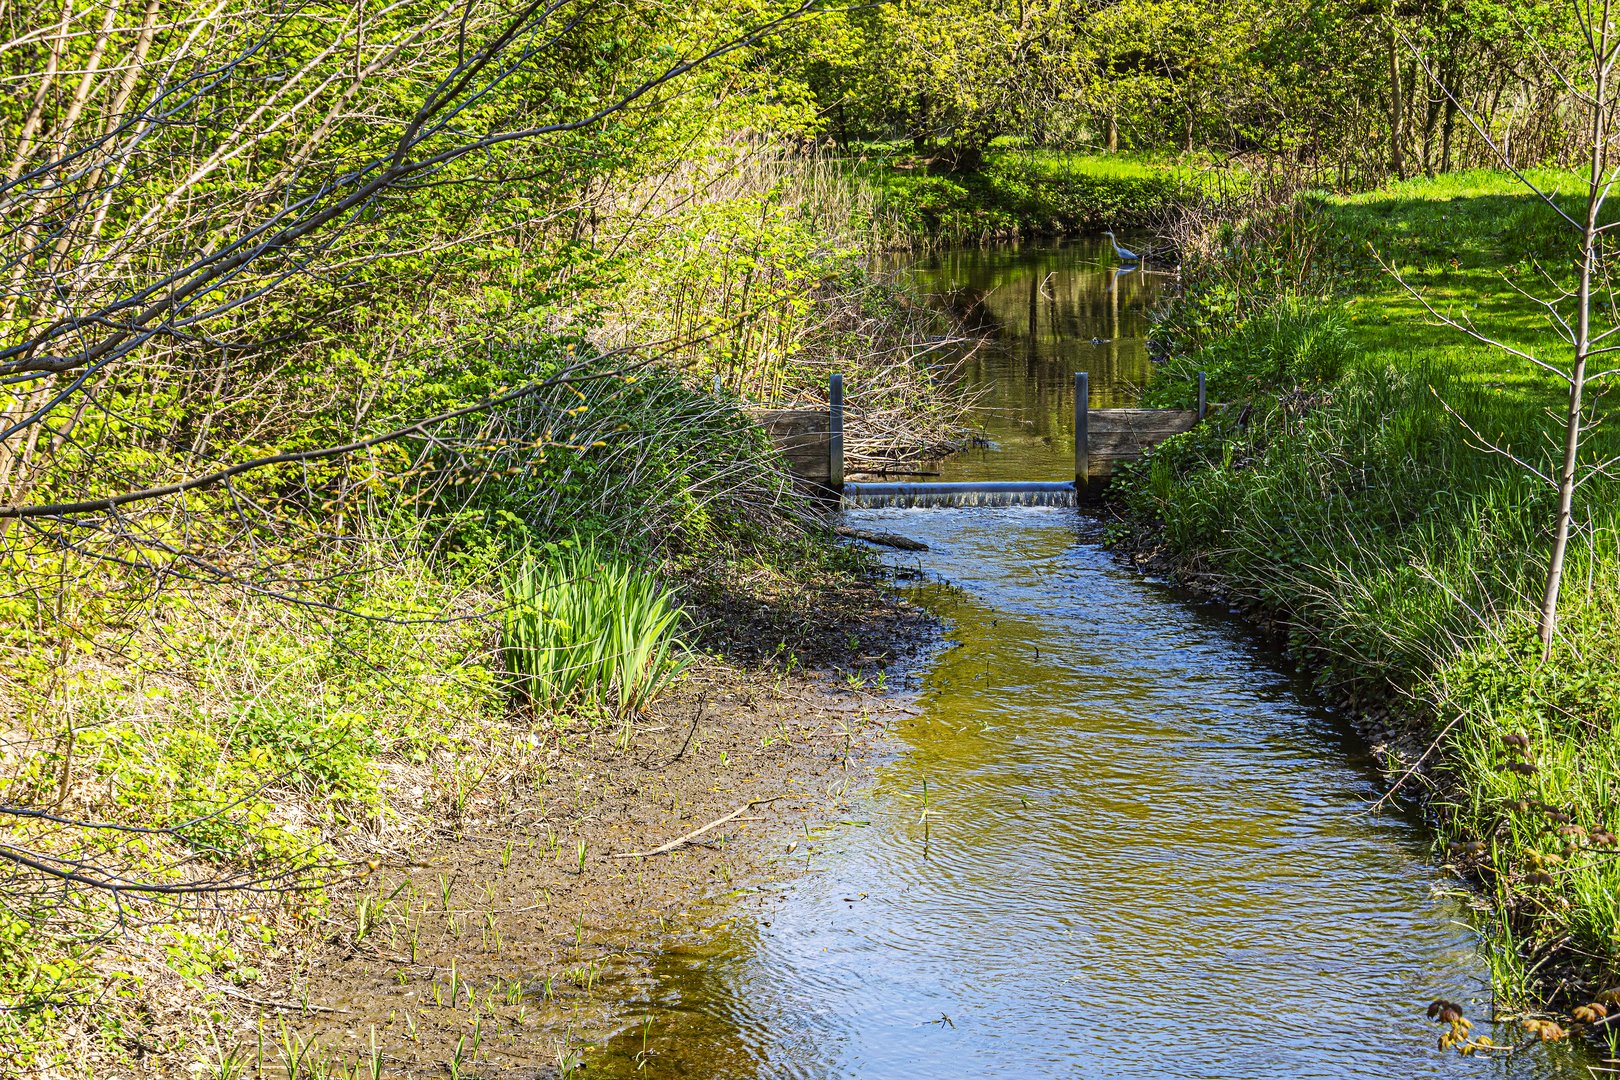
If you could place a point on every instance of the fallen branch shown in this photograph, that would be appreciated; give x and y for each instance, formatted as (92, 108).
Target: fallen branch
(665, 849)
(1415, 765)
(287, 1006)
(904, 543)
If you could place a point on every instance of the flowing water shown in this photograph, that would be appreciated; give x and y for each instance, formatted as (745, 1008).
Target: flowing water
(1117, 841)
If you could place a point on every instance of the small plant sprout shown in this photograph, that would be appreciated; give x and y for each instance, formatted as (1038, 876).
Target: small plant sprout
(646, 1034)
(580, 868)
(228, 1064)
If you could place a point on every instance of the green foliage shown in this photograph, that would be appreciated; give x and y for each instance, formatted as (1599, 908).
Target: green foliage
(1307, 81)
(1024, 193)
(585, 626)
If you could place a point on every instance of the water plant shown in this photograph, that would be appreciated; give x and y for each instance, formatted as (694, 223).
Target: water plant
(586, 626)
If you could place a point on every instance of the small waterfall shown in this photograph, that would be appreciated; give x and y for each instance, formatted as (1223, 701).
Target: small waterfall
(970, 493)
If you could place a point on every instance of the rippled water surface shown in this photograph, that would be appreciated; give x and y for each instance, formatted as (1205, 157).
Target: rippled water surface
(1114, 843)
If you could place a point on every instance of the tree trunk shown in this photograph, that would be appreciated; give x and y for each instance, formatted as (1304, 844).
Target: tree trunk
(1397, 102)
(1596, 182)
(1113, 133)
(1445, 134)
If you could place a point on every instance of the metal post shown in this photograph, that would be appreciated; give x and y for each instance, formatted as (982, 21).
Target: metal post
(1082, 434)
(835, 428)
(1203, 405)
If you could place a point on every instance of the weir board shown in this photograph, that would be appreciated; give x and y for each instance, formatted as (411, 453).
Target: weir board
(804, 438)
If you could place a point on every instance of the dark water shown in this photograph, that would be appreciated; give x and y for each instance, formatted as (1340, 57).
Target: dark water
(1117, 842)
(1054, 311)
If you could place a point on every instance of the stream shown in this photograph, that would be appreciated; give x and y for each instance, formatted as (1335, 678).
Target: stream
(1119, 839)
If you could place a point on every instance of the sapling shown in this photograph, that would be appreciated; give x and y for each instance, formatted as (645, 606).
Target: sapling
(1588, 76)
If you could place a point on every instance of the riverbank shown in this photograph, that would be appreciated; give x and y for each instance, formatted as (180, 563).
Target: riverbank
(489, 949)
(214, 726)
(1343, 498)
(510, 886)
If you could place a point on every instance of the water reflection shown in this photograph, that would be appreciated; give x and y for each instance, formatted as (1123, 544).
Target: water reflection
(1116, 842)
(1050, 311)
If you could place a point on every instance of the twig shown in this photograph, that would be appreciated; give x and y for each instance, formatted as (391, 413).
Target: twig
(1415, 765)
(287, 1005)
(697, 717)
(664, 849)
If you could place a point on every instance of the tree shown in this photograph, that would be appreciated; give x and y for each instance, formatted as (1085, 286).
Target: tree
(205, 212)
(1584, 65)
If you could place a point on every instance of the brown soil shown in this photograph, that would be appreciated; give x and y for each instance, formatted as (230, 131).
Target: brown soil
(497, 939)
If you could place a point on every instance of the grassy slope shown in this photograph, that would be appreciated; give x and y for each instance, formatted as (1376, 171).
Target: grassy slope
(1352, 505)
(1030, 193)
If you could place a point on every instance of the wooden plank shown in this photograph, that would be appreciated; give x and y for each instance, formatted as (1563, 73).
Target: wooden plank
(804, 438)
(1082, 427)
(1117, 443)
(1160, 422)
(1121, 435)
(835, 431)
(1102, 468)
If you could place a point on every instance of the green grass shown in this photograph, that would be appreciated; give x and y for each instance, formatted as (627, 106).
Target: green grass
(1346, 492)
(1020, 193)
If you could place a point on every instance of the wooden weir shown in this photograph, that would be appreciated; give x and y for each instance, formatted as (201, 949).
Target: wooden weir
(812, 443)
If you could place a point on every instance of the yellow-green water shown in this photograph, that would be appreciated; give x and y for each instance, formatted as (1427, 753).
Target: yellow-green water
(1118, 840)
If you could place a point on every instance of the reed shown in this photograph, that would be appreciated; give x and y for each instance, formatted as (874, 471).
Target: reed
(586, 627)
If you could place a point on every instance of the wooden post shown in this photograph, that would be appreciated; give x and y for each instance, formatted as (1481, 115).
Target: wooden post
(835, 428)
(1082, 436)
(1202, 403)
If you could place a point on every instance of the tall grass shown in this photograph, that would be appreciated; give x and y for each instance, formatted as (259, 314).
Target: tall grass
(587, 627)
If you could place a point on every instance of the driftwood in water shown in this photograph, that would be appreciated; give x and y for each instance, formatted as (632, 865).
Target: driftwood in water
(894, 540)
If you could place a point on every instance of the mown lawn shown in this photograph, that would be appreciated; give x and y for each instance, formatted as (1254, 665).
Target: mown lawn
(1022, 193)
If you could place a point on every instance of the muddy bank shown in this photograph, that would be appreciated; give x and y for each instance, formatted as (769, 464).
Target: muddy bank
(485, 953)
